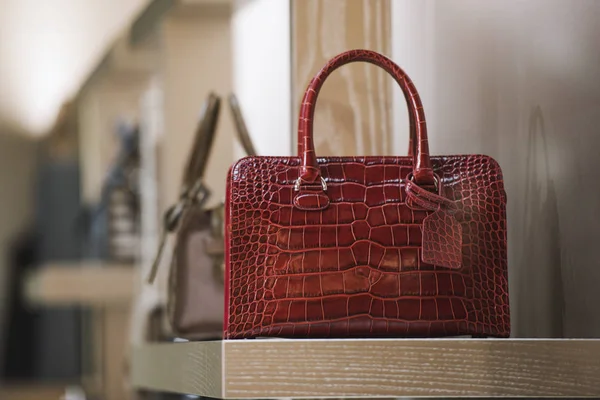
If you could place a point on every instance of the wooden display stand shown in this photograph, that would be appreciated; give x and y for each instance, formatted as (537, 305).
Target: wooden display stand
(372, 368)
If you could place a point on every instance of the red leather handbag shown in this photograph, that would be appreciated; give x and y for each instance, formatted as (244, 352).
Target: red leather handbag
(365, 246)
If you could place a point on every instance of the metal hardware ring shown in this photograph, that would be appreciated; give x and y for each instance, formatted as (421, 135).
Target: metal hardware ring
(436, 180)
(298, 181)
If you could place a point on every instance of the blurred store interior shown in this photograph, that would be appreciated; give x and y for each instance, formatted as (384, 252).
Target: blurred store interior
(99, 102)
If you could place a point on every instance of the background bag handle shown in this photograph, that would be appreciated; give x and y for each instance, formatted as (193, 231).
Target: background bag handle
(192, 186)
(240, 125)
(192, 182)
(203, 139)
(309, 171)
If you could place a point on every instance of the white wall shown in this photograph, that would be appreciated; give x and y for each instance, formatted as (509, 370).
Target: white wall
(261, 72)
(520, 80)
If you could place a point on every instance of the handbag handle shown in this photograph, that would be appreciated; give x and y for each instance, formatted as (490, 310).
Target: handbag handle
(203, 139)
(419, 147)
(240, 125)
(193, 188)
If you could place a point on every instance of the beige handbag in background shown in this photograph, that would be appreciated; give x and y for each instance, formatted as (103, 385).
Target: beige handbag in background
(195, 301)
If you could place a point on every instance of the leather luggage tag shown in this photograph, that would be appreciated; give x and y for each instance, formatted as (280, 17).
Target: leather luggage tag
(442, 239)
(442, 233)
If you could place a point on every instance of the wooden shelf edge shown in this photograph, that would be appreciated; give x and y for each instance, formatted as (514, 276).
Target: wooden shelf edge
(274, 368)
(191, 368)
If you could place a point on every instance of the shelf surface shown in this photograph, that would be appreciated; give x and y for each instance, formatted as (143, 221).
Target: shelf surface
(275, 368)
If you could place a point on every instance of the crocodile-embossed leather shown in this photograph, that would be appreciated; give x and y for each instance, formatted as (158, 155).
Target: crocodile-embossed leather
(442, 239)
(402, 247)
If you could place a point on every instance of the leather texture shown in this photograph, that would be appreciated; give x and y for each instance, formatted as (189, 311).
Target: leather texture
(402, 247)
(442, 239)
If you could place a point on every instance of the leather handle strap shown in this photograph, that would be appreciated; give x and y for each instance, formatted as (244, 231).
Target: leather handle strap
(203, 139)
(193, 188)
(240, 126)
(427, 199)
(309, 172)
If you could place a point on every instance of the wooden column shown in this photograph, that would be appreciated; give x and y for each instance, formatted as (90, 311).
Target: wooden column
(353, 114)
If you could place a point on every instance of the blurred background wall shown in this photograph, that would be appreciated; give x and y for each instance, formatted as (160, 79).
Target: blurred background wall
(48, 49)
(18, 156)
(520, 83)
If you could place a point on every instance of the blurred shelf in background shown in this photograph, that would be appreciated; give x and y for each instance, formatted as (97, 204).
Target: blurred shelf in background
(107, 290)
(82, 284)
(32, 391)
